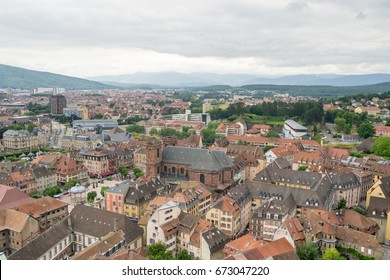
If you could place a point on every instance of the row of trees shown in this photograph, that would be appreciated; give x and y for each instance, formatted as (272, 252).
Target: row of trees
(167, 131)
(158, 251)
(310, 251)
(308, 111)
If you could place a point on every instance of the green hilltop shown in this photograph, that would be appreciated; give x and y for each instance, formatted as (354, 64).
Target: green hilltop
(15, 77)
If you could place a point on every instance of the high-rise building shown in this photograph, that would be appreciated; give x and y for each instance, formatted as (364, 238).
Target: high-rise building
(57, 104)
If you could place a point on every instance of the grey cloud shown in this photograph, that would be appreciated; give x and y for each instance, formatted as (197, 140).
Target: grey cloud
(297, 5)
(361, 15)
(226, 29)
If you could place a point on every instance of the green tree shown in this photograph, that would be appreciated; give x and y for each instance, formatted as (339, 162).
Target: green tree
(267, 148)
(103, 190)
(340, 123)
(167, 131)
(347, 128)
(208, 136)
(381, 146)
(366, 130)
(31, 127)
(302, 168)
(183, 255)
(342, 204)
(91, 196)
(308, 251)
(137, 172)
(158, 251)
(52, 191)
(70, 183)
(35, 195)
(153, 131)
(123, 170)
(135, 128)
(332, 254)
(273, 134)
(98, 116)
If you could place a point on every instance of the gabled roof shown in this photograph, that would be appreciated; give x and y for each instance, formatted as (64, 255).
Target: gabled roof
(243, 243)
(379, 207)
(277, 249)
(344, 180)
(358, 237)
(13, 220)
(318, 197)
(41, 171)
(41, 244)
(228, 204)
(295, 228)
(215, 239)
(198, 159)
(98, 223)
(276, 175)
(11, 197)
(39, 206)
(145, 191)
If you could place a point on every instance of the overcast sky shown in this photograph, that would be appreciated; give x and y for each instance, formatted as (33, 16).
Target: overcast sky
(264, 37)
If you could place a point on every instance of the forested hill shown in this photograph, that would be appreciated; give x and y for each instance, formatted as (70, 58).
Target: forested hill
(321, 91)
(15, 77)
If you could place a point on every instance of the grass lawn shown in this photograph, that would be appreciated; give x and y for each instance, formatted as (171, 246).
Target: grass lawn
(270, 120)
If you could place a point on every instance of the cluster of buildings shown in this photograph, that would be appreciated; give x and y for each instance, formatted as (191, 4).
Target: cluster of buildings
(248, 197)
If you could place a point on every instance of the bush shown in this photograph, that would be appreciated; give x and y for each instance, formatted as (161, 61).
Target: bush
(91, 196)
(52, 191)
(354, 253)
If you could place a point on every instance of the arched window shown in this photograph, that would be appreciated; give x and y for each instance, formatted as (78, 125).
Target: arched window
(158, 153)
(158, 170)
(165, 169)
(173, 169)
(202, 178)
(231, 175)
(182, 170)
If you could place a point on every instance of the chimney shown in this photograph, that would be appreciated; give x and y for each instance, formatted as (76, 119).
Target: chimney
(69, 222)
(115, 224)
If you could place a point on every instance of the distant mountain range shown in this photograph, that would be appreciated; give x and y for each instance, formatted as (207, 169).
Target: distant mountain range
(176, 79)
(313, 85)
(16, 77)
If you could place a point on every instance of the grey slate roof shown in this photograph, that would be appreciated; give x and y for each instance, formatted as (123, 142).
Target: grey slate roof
(42, 243)
(241, 194)
(379, 207)
(215, 239)
(120, 137)
(344, 180)
(275, 175)
(365, 146)
(11, 132)
(98, 223)
(187, 222)
(41, 171)
(281, 163)
(145, 191)
(198, 159)
(319, 197)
